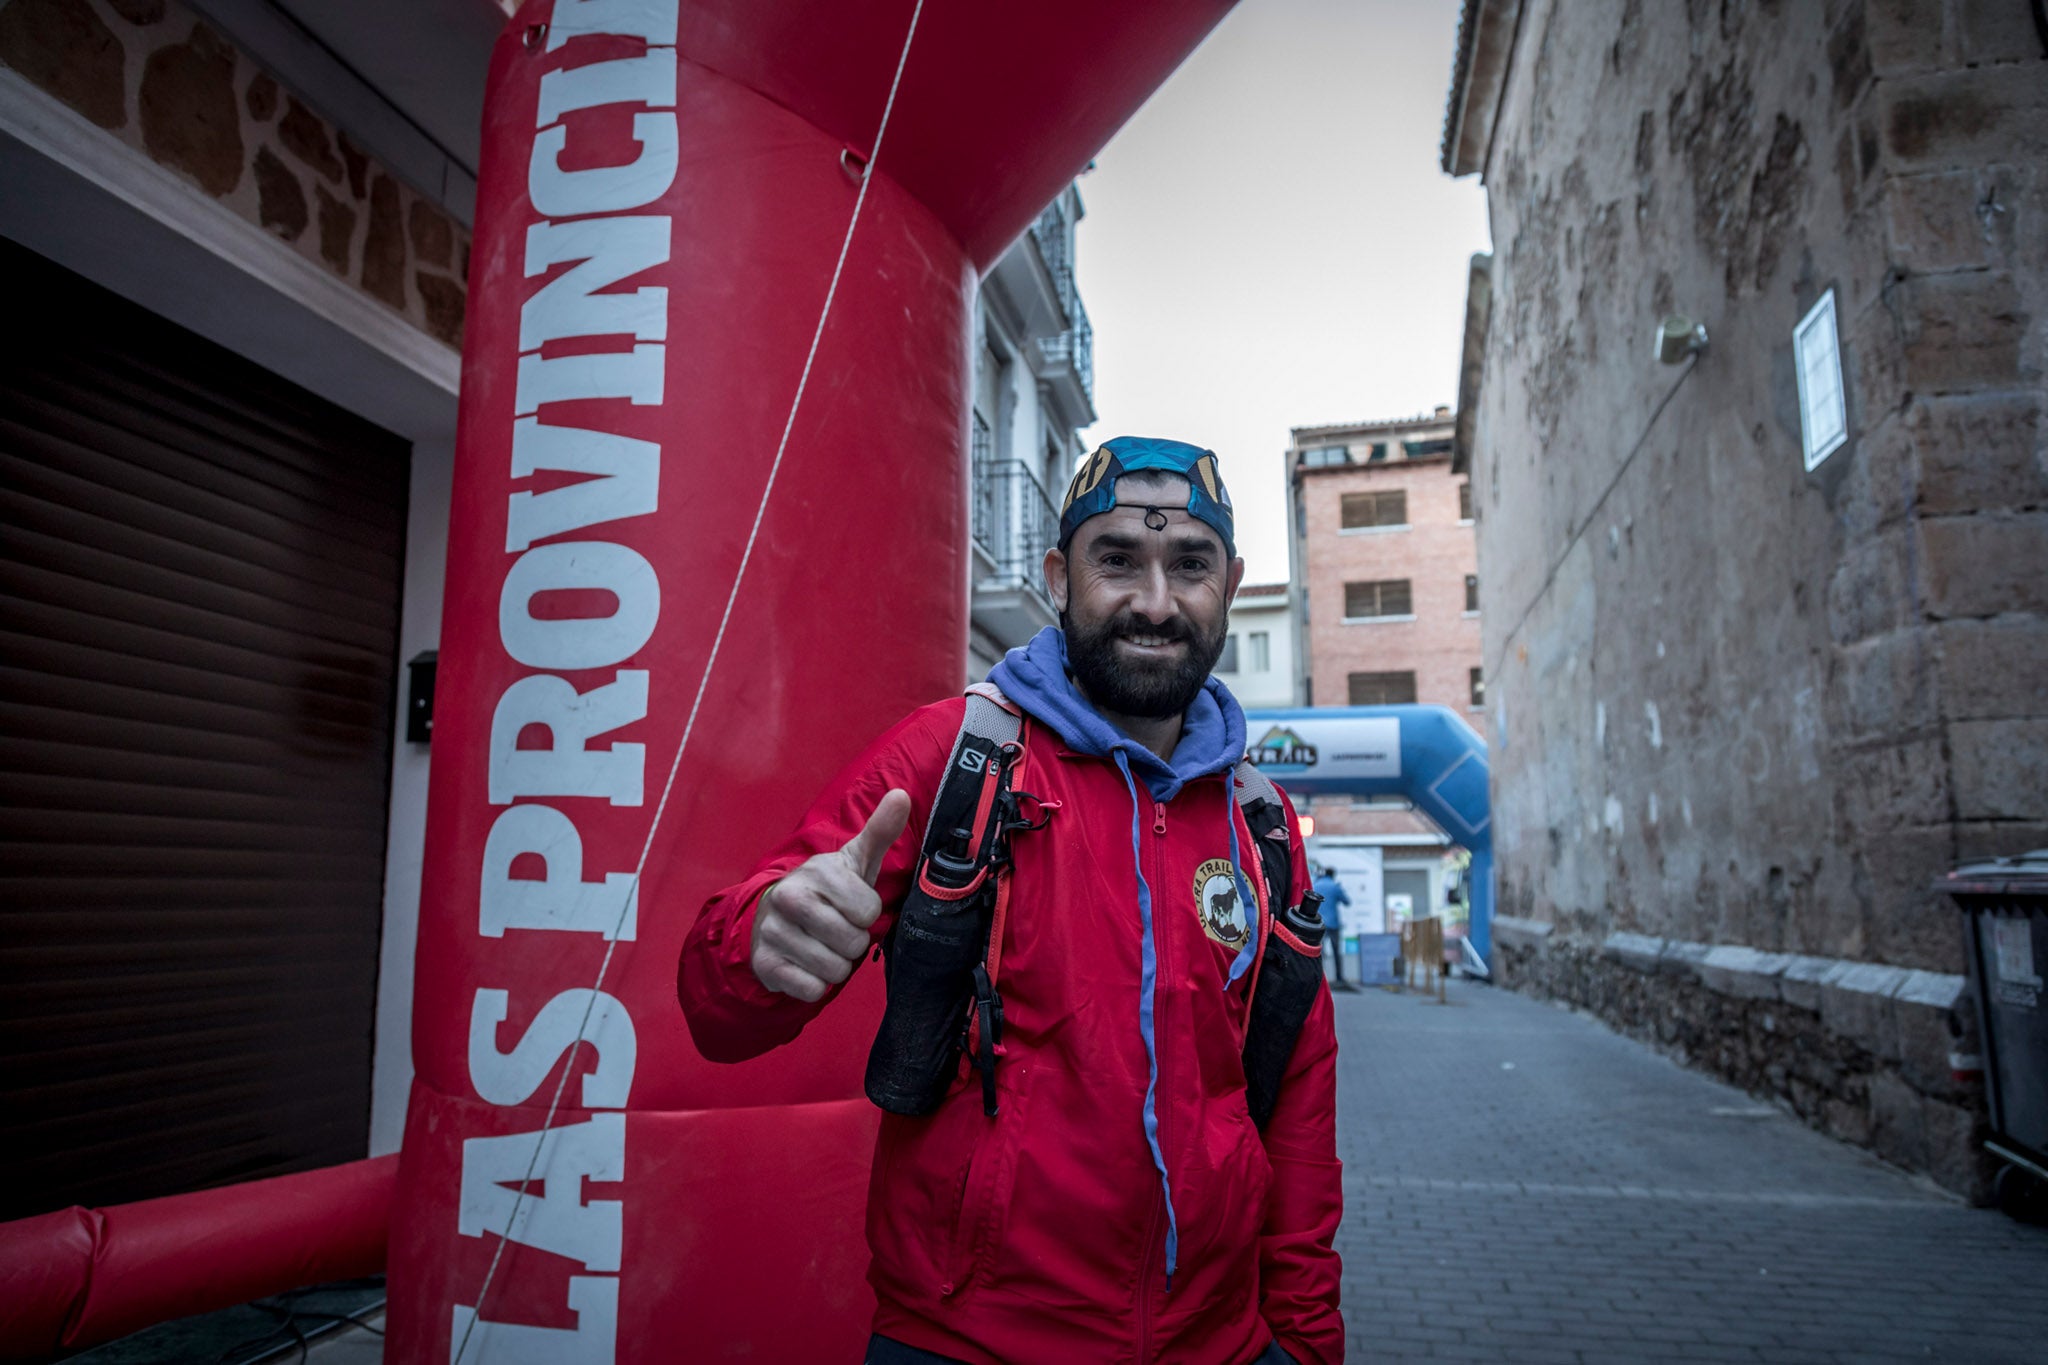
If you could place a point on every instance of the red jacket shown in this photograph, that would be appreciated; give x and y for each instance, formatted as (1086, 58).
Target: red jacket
(1038, 1235)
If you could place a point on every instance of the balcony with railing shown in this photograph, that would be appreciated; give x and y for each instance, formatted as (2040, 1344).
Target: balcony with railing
(1052, 234)
(1070, 356)
(1014, 524)
(1065, 358)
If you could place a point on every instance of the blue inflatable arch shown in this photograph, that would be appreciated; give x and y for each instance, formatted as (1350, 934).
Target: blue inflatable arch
(1425, 753)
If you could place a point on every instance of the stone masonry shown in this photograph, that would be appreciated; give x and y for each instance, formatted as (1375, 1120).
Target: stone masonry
(174, 88)
(1880, 1056)
(1739, 706)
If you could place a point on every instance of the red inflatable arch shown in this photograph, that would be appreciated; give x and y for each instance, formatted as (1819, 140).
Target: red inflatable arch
(665, 189)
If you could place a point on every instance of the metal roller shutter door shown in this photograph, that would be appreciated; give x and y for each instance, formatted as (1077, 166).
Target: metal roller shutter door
(200, 575)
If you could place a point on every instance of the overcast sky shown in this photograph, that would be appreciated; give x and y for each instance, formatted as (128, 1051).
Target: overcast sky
(1270, 244)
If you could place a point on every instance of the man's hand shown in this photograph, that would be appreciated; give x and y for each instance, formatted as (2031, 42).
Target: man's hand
(811, 928)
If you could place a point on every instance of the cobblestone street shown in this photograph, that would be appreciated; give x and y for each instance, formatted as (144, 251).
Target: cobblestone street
(1521, 1184)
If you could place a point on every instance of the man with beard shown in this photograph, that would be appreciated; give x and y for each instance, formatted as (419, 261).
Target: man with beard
(1109, 1196)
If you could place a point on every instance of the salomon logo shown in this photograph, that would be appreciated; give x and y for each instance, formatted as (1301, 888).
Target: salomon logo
(973, 760)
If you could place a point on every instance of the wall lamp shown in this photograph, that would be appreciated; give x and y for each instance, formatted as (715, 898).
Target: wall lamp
(1678, 337)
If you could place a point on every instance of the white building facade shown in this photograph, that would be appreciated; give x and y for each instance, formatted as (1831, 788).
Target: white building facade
(1258, 663)
(1034, 389)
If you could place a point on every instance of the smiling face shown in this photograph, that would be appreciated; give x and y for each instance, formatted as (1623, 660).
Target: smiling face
(1144, 593)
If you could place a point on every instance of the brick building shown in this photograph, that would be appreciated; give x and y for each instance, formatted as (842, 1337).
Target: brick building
(1387, 610)
(1752, 692)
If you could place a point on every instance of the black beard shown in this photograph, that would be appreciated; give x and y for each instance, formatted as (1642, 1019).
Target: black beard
(1148, 692)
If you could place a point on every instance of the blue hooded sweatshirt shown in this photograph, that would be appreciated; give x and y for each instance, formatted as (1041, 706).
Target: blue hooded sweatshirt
(1035, 677)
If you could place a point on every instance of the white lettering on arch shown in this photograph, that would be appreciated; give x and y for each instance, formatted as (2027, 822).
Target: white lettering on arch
(569, 643)
(634, 375)
(651, 20)
(592, 1341)
(606, 251)
(559, 193)
(559, 899)
(513, 1077)
(628, 477)
(567, 767)
(556, 1218)
(648, 79)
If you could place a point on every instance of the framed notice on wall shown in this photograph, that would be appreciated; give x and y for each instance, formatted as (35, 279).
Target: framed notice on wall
(1817, 355)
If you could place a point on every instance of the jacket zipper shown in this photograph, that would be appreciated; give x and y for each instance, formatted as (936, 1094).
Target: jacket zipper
(1155, 1235)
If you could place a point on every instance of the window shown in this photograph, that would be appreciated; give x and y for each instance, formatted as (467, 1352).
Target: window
(1261, 642)
(1382, 689)
(1228, 662)
(1388, 508)
(1465, 501)
(1318, 457)
(1376, 453)
(1422, 450)
(1388, 597)
(1478, 688)
(1471, 592)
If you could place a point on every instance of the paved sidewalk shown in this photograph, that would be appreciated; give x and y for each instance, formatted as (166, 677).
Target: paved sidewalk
(352, 1345)
(1522, 1184)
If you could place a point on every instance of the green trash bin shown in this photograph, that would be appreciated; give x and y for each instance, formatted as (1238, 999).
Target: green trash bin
(2005, 914)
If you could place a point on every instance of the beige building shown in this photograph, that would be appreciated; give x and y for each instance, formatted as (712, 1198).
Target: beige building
(1387, 611)
(1382, 545)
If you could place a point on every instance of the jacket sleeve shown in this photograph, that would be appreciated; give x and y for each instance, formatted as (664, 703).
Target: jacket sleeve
(731, 1015)
(1299, 1269)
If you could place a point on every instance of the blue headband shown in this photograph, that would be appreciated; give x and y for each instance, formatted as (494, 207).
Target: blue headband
(1093, 490)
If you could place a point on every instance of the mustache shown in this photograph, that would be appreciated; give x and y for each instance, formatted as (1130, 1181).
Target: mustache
(1130, 623)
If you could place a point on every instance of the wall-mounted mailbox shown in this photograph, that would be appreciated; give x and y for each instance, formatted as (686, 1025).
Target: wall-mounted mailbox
(419, 697)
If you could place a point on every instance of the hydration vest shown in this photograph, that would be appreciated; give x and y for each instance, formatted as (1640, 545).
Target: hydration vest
(944, 954)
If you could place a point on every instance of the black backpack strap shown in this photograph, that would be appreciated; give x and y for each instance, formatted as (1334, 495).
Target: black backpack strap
(938, 950)
(1291, 966)
(989, 728)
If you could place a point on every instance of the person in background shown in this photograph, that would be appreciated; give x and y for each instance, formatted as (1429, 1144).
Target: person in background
(1333, 894)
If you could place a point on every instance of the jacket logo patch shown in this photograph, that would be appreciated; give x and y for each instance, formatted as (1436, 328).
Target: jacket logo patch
(1220, 904)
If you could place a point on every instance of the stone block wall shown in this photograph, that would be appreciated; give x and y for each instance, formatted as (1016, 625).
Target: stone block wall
(1736, 704)
(1884, 1057)
(175, 89)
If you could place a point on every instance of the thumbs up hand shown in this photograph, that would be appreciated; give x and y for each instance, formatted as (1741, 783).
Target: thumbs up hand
(811, 928)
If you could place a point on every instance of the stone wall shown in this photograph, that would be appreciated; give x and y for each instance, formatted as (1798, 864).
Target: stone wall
(174, 88)
(1735, 703)
(1884, 1057)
